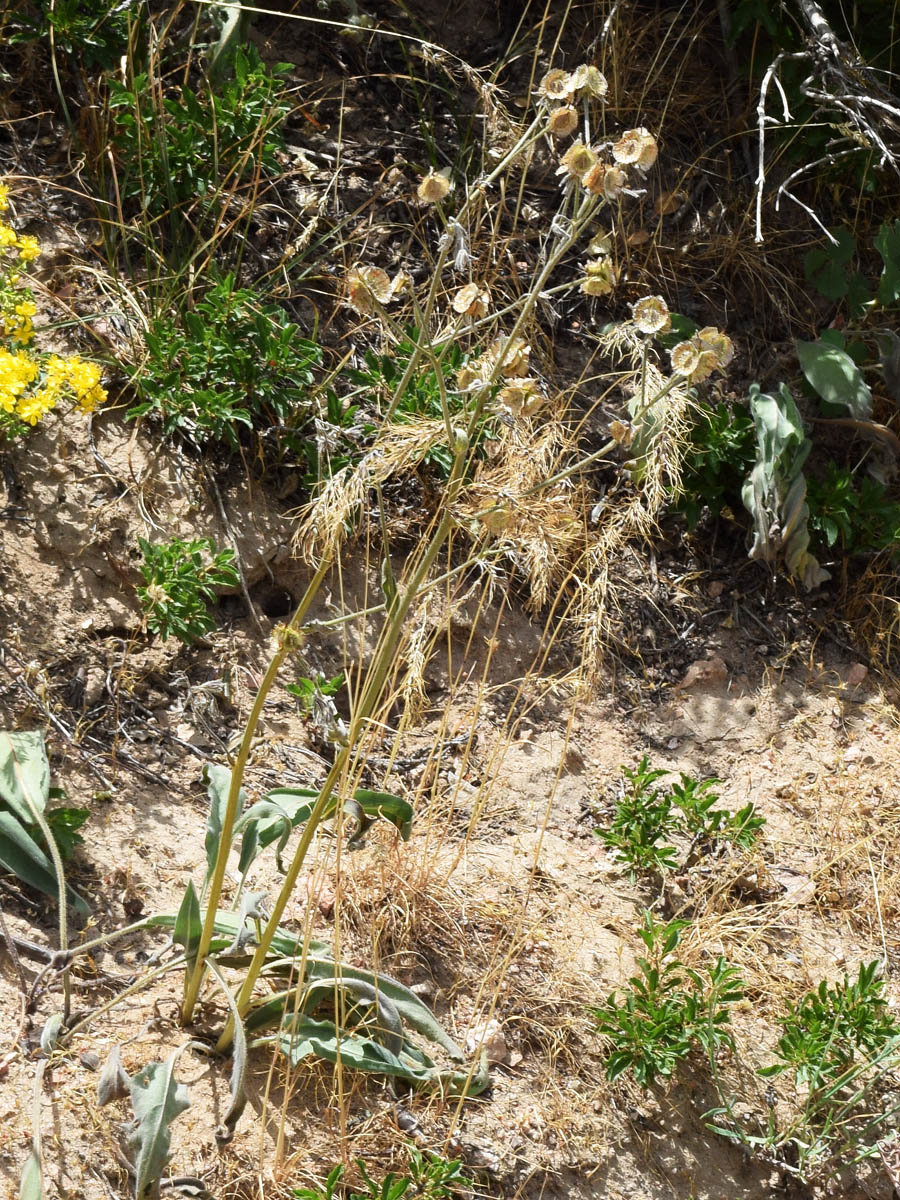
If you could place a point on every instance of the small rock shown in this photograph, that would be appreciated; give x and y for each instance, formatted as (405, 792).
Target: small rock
(489, 1038)
(856, 675)
(706, 672)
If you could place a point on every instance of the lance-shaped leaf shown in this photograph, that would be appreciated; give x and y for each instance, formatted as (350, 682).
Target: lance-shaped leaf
(157, 1099)
(230, 925)
(225, 1131)
(188, 928)
(24, 774)
(31, 1185)
(20, 854)
(114, 1082)
(218, 780)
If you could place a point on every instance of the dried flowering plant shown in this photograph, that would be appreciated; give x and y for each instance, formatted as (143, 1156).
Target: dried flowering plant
(32, 383)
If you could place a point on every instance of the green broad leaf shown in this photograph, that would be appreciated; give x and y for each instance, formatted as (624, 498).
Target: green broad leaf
(887, 243)
(188, 925)
(826, 268)
(20, 854)
(31, 1185)
(836, 377)
(218, 781)
(157, 1099)
(64, 825)
(24, 774)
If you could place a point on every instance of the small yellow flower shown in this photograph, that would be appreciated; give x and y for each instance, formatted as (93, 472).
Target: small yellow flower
(7, 236)
(599, 277)
(472, 300)
(636, 147)
(562, 121)
(434, 187)
(577, 160)
(27, 308)
(4, 197)
(651, 315)
(589, 81)
(367, 288)
(29, 248)
(557, 85)
(31, 409)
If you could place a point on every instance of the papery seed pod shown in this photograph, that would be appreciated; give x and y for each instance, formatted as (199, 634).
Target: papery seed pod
(515, 356)
(590, 81)
(434, 187)
(472, 300)
(685, 358)
(719, 343)
(556, 85)
(522, 396)
(636, 147)
(367, 288)
(599, 277)
(577, 160)
(651, 315)
(562, 121)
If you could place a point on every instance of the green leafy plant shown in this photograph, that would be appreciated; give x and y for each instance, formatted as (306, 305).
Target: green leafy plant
(832, 1027)
(181, 578)
(840, 1045)
(178, 150)
(860, 517)
(721, 454)
(227, 361)
(430, 1176)
(428, 388)
(310, 691)
(95, 34)
(669, 1010)
(646, 818)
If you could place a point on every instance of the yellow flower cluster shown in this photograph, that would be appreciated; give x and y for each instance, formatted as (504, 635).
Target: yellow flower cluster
(32, 383)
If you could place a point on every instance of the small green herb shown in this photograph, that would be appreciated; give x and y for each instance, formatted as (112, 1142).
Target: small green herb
(181, 579)
(307, 690)
(668, 1010)
(228, 360)
(647, 818)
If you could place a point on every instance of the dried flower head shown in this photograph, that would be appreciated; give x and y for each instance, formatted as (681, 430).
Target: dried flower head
(589, 81)
(472, 300)
(472, 375)
(651, 315)
(577, 160)
(557, 85)
(562, 121)
(515, 356)
(719, 343)
(599, 245)
(522, 396)
(368, 288)
(622, 432)
(434, 187)
(685, 358)
(707, 351)
(599, 277)
(636, 147)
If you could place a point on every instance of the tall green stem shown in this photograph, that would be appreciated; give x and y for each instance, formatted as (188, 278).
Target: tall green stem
(377, 674)
(285, 644)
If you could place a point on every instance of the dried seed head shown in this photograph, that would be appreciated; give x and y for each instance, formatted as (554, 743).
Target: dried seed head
(589, 81)
(651, 315)
(577, 160)
(636, 147)
(604, 180)
(367, 288)
(557, 85)
(599, 277)
(719, 343)
(472, 300)
(434, 187)
(562, 121)
(685, 358)
(515, 356)
(522, 396)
